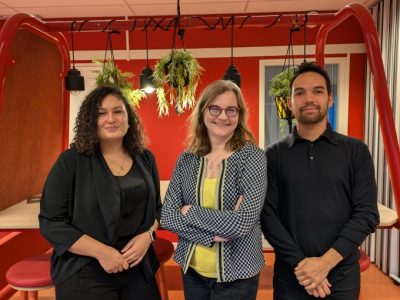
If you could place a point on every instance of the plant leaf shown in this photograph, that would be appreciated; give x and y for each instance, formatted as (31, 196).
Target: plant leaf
(178, 72)
(111, 75)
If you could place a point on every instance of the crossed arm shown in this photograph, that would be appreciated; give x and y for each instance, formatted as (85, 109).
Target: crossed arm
(202, 225)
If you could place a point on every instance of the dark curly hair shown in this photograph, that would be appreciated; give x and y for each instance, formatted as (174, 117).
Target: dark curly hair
(86, 140)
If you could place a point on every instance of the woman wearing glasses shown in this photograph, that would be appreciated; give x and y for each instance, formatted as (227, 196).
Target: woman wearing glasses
(215, 198)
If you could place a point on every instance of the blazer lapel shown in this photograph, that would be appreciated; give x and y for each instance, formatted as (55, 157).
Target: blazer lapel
(108, 194)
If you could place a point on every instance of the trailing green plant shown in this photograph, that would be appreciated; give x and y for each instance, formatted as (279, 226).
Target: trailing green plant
(280, 90)
(111, 75)
(279, 84)
(176, 75)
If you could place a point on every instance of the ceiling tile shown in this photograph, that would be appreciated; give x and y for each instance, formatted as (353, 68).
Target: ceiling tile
(187, 9)
(60, 3)
(79, 12)
(149, 10)
(214, 1)
(5, 12)
(297, 5)
(217, 8)
(149, 2)
(111, 8)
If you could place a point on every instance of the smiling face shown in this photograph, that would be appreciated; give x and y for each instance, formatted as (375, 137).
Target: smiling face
(221, 127)
(112, 121)
(310, 99)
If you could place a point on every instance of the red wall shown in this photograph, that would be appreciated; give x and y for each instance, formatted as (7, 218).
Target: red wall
(357, 95)
(167, 134)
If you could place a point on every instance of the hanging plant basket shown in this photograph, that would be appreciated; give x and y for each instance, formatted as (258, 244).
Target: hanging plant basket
(280, 90)
(111, 75)
(176, 75)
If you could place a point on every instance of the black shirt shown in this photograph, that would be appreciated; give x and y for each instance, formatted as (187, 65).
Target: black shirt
(320, 195)
(134, 197)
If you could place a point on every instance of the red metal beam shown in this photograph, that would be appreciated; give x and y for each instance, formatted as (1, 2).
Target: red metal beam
(189, 22)
(390, 142)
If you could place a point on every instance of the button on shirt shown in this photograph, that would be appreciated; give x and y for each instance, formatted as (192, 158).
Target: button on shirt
(320, 194)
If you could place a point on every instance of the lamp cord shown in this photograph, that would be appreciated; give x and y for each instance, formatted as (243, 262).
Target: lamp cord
(72, 44)
(233, 24)
(305, 35)
(147, 45)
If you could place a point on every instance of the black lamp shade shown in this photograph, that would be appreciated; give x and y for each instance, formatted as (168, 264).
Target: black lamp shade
(74, 81)
(146, 79)
(233, 74)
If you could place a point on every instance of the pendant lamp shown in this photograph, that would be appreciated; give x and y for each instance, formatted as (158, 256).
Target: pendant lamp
(74, 81)
(232, 73)
(146, 78)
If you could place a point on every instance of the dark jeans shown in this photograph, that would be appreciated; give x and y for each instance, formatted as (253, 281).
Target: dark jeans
(345, 281)
(93, 283)
(197, 287)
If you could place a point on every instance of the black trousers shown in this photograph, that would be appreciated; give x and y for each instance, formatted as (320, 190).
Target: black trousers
(93, 283)
(345, 281)
(197, 287)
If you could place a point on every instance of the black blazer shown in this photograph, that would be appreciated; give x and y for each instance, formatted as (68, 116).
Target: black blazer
(81, 196)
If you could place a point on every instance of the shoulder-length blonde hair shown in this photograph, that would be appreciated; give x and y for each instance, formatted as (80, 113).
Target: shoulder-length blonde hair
(198, 141)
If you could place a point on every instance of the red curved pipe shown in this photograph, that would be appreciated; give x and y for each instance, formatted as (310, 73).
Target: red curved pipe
(36, 26)
(391, 145)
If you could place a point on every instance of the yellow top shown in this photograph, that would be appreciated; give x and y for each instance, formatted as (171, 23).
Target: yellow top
(204, 259)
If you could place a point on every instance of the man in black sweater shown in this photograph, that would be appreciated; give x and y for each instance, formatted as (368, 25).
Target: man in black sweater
(321, 198)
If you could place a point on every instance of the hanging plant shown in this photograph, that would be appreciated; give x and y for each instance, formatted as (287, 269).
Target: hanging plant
(280, 90)
(111, 75)
(176, 75)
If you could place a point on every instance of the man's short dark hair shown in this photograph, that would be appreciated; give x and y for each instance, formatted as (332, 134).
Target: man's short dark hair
(312, 67)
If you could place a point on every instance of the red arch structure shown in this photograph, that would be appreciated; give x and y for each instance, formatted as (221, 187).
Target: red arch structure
(23, 39)
(390, 142)
(29, 22)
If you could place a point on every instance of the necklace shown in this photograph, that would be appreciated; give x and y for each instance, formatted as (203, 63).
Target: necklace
(211, 161)
(120, 166)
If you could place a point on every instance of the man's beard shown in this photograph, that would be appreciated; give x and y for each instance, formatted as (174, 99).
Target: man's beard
(314, 118)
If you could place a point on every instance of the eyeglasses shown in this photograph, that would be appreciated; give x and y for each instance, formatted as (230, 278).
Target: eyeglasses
(230, 111)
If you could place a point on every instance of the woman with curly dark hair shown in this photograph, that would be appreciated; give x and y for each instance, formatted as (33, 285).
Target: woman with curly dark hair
(101, 204)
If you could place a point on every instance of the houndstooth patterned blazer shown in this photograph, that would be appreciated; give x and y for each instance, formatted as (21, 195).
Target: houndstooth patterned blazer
(243, 173)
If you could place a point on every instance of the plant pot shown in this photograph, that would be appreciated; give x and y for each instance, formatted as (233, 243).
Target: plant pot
(282, 108)
(183, 79)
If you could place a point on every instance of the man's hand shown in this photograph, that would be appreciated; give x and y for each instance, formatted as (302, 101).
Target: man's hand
(311, 271)
(321, 291)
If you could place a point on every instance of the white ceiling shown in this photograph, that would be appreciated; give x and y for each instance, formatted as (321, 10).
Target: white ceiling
(113, 8)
